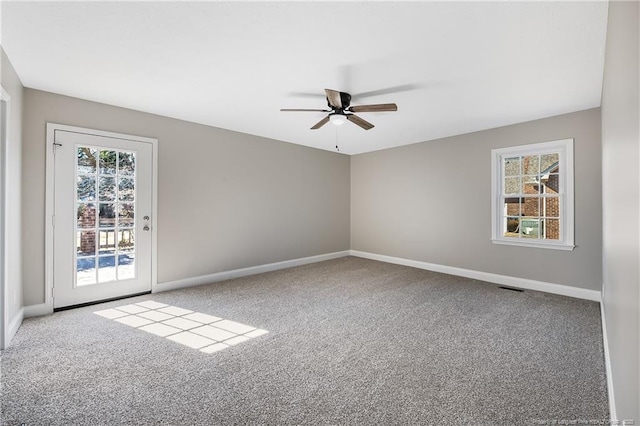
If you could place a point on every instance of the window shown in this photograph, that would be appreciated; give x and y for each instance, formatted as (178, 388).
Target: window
(532, 195)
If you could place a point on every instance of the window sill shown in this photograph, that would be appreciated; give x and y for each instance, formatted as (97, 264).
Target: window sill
(534, 244)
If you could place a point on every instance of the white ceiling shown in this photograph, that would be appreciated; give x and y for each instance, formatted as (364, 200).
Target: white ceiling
(451, 67)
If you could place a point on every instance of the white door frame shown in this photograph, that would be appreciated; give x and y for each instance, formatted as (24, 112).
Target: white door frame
(50, 199)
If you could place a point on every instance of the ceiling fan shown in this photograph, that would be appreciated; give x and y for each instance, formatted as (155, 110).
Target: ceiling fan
(341, 110)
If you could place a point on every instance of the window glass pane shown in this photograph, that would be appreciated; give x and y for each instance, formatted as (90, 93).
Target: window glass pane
(512, 206)
(126, 189)
(85, 243)
(108, 162)
(551, 184)
(106, 269)
(512, 185)
(125, 215)
(551, 229)
(107, 188)
(107, 216)
(512, 166)
(125, 240)
(512, 226)
(86, 160)
(531, 185)
(107, 242)
(551, 207)
(126, 266)
(529, 228)
(86, 271)
(86, 188)
(530, 165)
(549, 163)
(531, 207)
(126, 163)
(86, 215)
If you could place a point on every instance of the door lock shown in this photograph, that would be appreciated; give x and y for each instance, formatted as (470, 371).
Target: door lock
(146, 225)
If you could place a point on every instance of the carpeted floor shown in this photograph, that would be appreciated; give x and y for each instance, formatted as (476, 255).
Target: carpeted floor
(350, 341)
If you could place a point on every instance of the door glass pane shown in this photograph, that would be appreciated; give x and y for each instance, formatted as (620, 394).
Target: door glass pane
(107, 243)
(107, 215)
(86, 188)
(86, 215)
(106, 268)
(108, 162)
(107, 188)
(126, 266)
(126, 189)
(86, 271)
(125, 240)
(126, 163)
(85, 243)
(125, 214)
(86, 160)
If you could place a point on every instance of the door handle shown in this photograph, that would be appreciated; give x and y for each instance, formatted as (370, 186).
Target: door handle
(146, 225)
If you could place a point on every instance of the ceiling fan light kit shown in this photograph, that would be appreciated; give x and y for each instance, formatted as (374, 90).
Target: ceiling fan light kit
(337, 119)
(341, 110)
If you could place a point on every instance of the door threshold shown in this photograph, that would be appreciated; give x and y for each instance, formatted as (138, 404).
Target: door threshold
(97, 302)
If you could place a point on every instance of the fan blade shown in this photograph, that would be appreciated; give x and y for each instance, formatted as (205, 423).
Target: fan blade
(360, 122)
(334, 98)
(321, 123)
(302, 109)
(374, 108)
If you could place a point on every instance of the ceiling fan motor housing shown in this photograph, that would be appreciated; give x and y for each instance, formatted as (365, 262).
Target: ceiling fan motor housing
(345, 98)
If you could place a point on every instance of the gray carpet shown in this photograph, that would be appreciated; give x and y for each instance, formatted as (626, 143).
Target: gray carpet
(350, 341)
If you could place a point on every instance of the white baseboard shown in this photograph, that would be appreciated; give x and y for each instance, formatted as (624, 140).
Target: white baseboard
(38, 310)
(243, 272)
(14, 325)
(563, 290)
(607, 363)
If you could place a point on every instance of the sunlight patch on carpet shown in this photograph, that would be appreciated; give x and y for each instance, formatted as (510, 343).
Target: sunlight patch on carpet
(193, 329)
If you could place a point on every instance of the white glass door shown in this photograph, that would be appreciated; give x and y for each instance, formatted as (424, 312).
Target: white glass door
(102, 222)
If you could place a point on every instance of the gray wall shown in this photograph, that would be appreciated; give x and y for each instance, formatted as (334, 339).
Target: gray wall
(431, 202)
(226, 200)
(12, 173)
(621, 212)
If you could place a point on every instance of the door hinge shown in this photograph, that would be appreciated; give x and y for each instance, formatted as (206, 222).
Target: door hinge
(55, 144)
(53, 292)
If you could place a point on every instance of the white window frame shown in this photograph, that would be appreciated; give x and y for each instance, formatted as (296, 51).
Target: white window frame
(566, 194)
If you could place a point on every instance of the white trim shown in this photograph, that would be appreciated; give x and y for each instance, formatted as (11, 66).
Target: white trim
(38, 310)
(4, 287)
(48, 217)
(613, 416)
(533, 243)
(524, 283)
(50, 199)
(13, 327)
(243, 272)
(565, 148)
